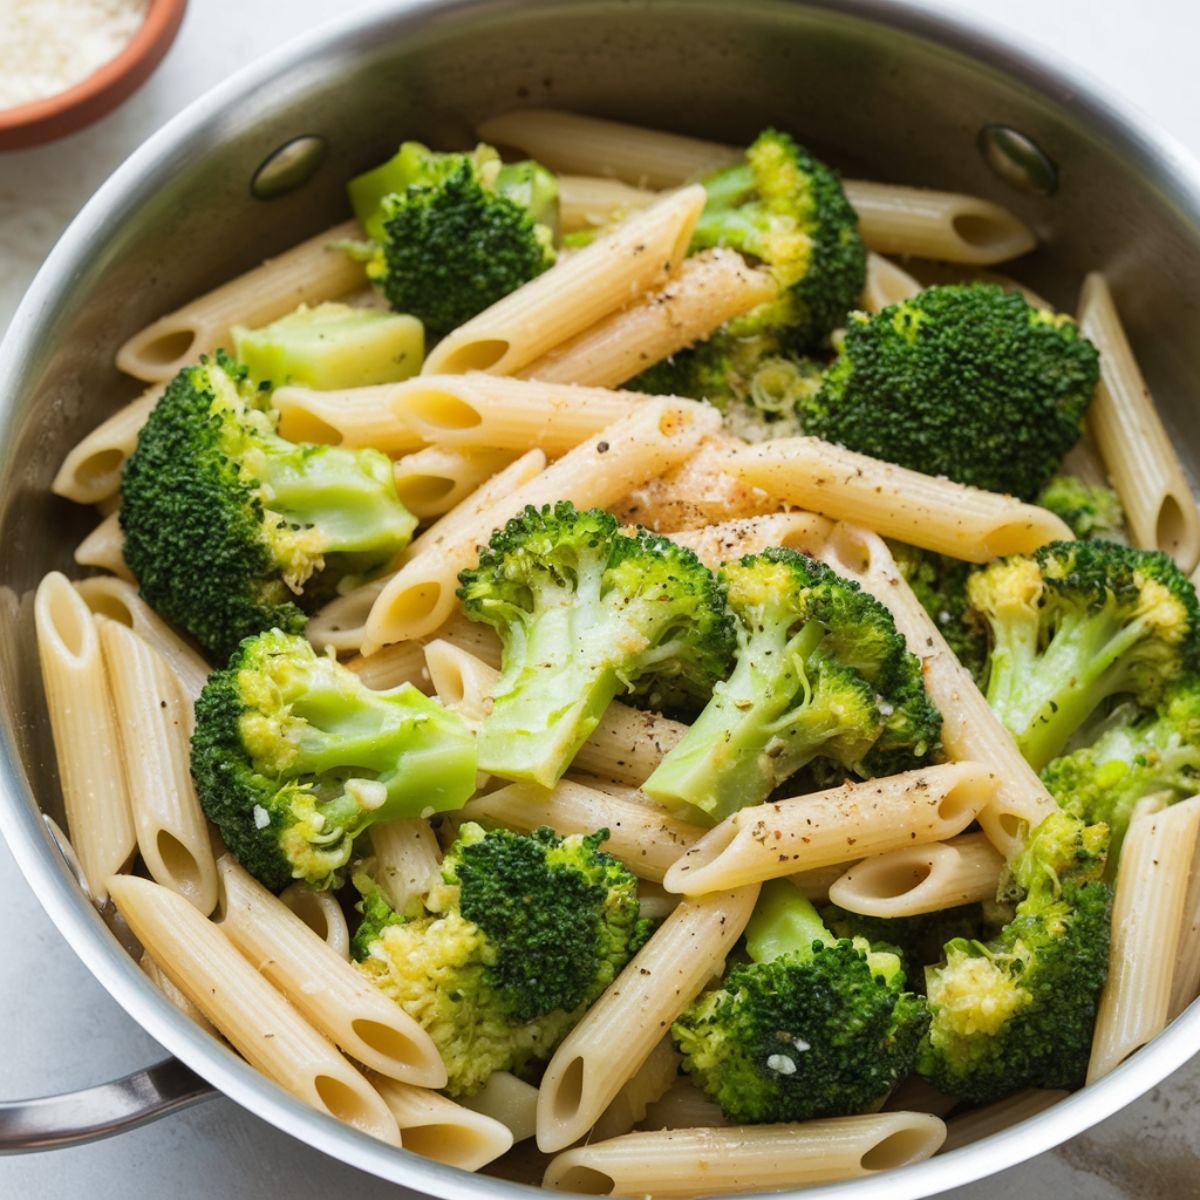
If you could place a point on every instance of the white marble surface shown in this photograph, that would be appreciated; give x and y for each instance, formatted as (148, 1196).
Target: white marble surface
(64, 1031)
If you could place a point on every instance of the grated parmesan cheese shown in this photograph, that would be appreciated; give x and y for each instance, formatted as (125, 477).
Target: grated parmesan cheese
(47, 46)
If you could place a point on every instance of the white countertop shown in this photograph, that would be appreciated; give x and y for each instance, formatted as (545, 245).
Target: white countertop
(62, 1029)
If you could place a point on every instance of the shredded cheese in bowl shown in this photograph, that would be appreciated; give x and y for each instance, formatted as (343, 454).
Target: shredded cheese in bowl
(47, 46)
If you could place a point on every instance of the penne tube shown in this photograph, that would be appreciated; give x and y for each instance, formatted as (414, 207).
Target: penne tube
(646, 841)
(118, 600)
(154, 973)
(260, 1024)
(509, 1100)
(437, 1128)
(310, 273)
(633, 257)
(887, 284)
(934, 514)
(91, 472)
(683, 1163)
(104, 548)
(619, 1032)
(709, 289)
(432, 481)
(653, 438)
(769, 841)
(591, 201)
(154, 723)
(1139, 454)
(648, 1084)
(341, 624)
(1147, 921)
(87, 744)
(970, 730)
(355, 417)
(921, 879)
(393, 666)
(684, 1106)
(322, 913)
(1185, 981)
(655, 904)
(324, 988)
(407, 860)
(460, 680)
(992, 1118)
(732, 540)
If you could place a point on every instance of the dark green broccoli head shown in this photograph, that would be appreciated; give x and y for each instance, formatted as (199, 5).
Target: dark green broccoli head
(1090, 510)
(967, 381)
(1134, 754)
(1018, 1011)
(226, 523)
(294, 757)
(821, 670)
(811, 1027)
(525, 933)
(1076, 623)
(586, 613)
(786, 210)
(456, 232)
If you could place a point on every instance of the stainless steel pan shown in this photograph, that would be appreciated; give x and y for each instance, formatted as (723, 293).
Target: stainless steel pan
(880, 88)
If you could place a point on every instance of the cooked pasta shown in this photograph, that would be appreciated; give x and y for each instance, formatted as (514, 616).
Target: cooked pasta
(509, 1100)
(91, 472)
(886, 284)
(648, 1084)
(432, 481)
(104, 548)
(731, 540)
(407, 860)
(321, 912)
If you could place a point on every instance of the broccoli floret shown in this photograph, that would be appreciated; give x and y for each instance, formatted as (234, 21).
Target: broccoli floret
(454, 233)
(1018, 1011)
(525, 933)
(821, 670)
(1090, 510)
(1135, 754)
(810, 1027)
(784, 209)
(294, 757)
(1075, 623)
(939, 582)
(225, 522)
(585, 614)
(967, 381)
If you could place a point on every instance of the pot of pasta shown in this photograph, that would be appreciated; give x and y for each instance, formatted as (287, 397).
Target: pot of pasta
(604, 598)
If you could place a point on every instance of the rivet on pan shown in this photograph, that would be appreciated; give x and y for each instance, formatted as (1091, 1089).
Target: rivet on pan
(284, 170)
(1018, 159)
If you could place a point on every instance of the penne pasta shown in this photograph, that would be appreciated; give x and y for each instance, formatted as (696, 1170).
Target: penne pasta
(91, 472)
(432, 481)
(1185, 981)
(1147, 920)
(460, 680)
(154, 973)
(619, 1032)
(731, 540)
(509, 1100)
(393, 666)
(154, 724)
(921, 879)
(407, 860)
(683, 1163)
(260, 1024)
(650, 1083)
(684, 1106)
(354, 417)
(118, 600)
(84, 727)
(653, 438)
(1138, 453)
(645, 840)
(321, 912)
(437, 1128)
(633, 257)
(592, 201)
(887, 284)
(934, 514)
(104, 548)
(326, 990)
(710, 288)
(769, 841)
(992, 1118)
(310, 273)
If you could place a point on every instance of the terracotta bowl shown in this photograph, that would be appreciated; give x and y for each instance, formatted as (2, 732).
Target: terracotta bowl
(106, 87)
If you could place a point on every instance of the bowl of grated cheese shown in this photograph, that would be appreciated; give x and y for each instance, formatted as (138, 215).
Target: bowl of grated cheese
(66, 63)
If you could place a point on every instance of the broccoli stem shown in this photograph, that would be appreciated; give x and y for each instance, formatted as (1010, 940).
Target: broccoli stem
(784, 922)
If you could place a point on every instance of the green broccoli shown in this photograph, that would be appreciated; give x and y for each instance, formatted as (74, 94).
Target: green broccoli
(939, 582)
(225, 522)
(525, 932)
(1091, 510)
(454, 233)
(1074, 624)
(967, 381)
(1134, 755)
(810, 1027)
(1018, 1011)
(294, 757)
(585, 614)
(821, 670)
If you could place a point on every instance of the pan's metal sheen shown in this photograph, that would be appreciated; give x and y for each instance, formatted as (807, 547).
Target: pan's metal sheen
(880, 88)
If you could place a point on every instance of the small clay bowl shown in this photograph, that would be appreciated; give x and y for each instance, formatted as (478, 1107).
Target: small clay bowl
(101, 92)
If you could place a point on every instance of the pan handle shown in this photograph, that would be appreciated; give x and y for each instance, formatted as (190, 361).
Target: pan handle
(97, 1112)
